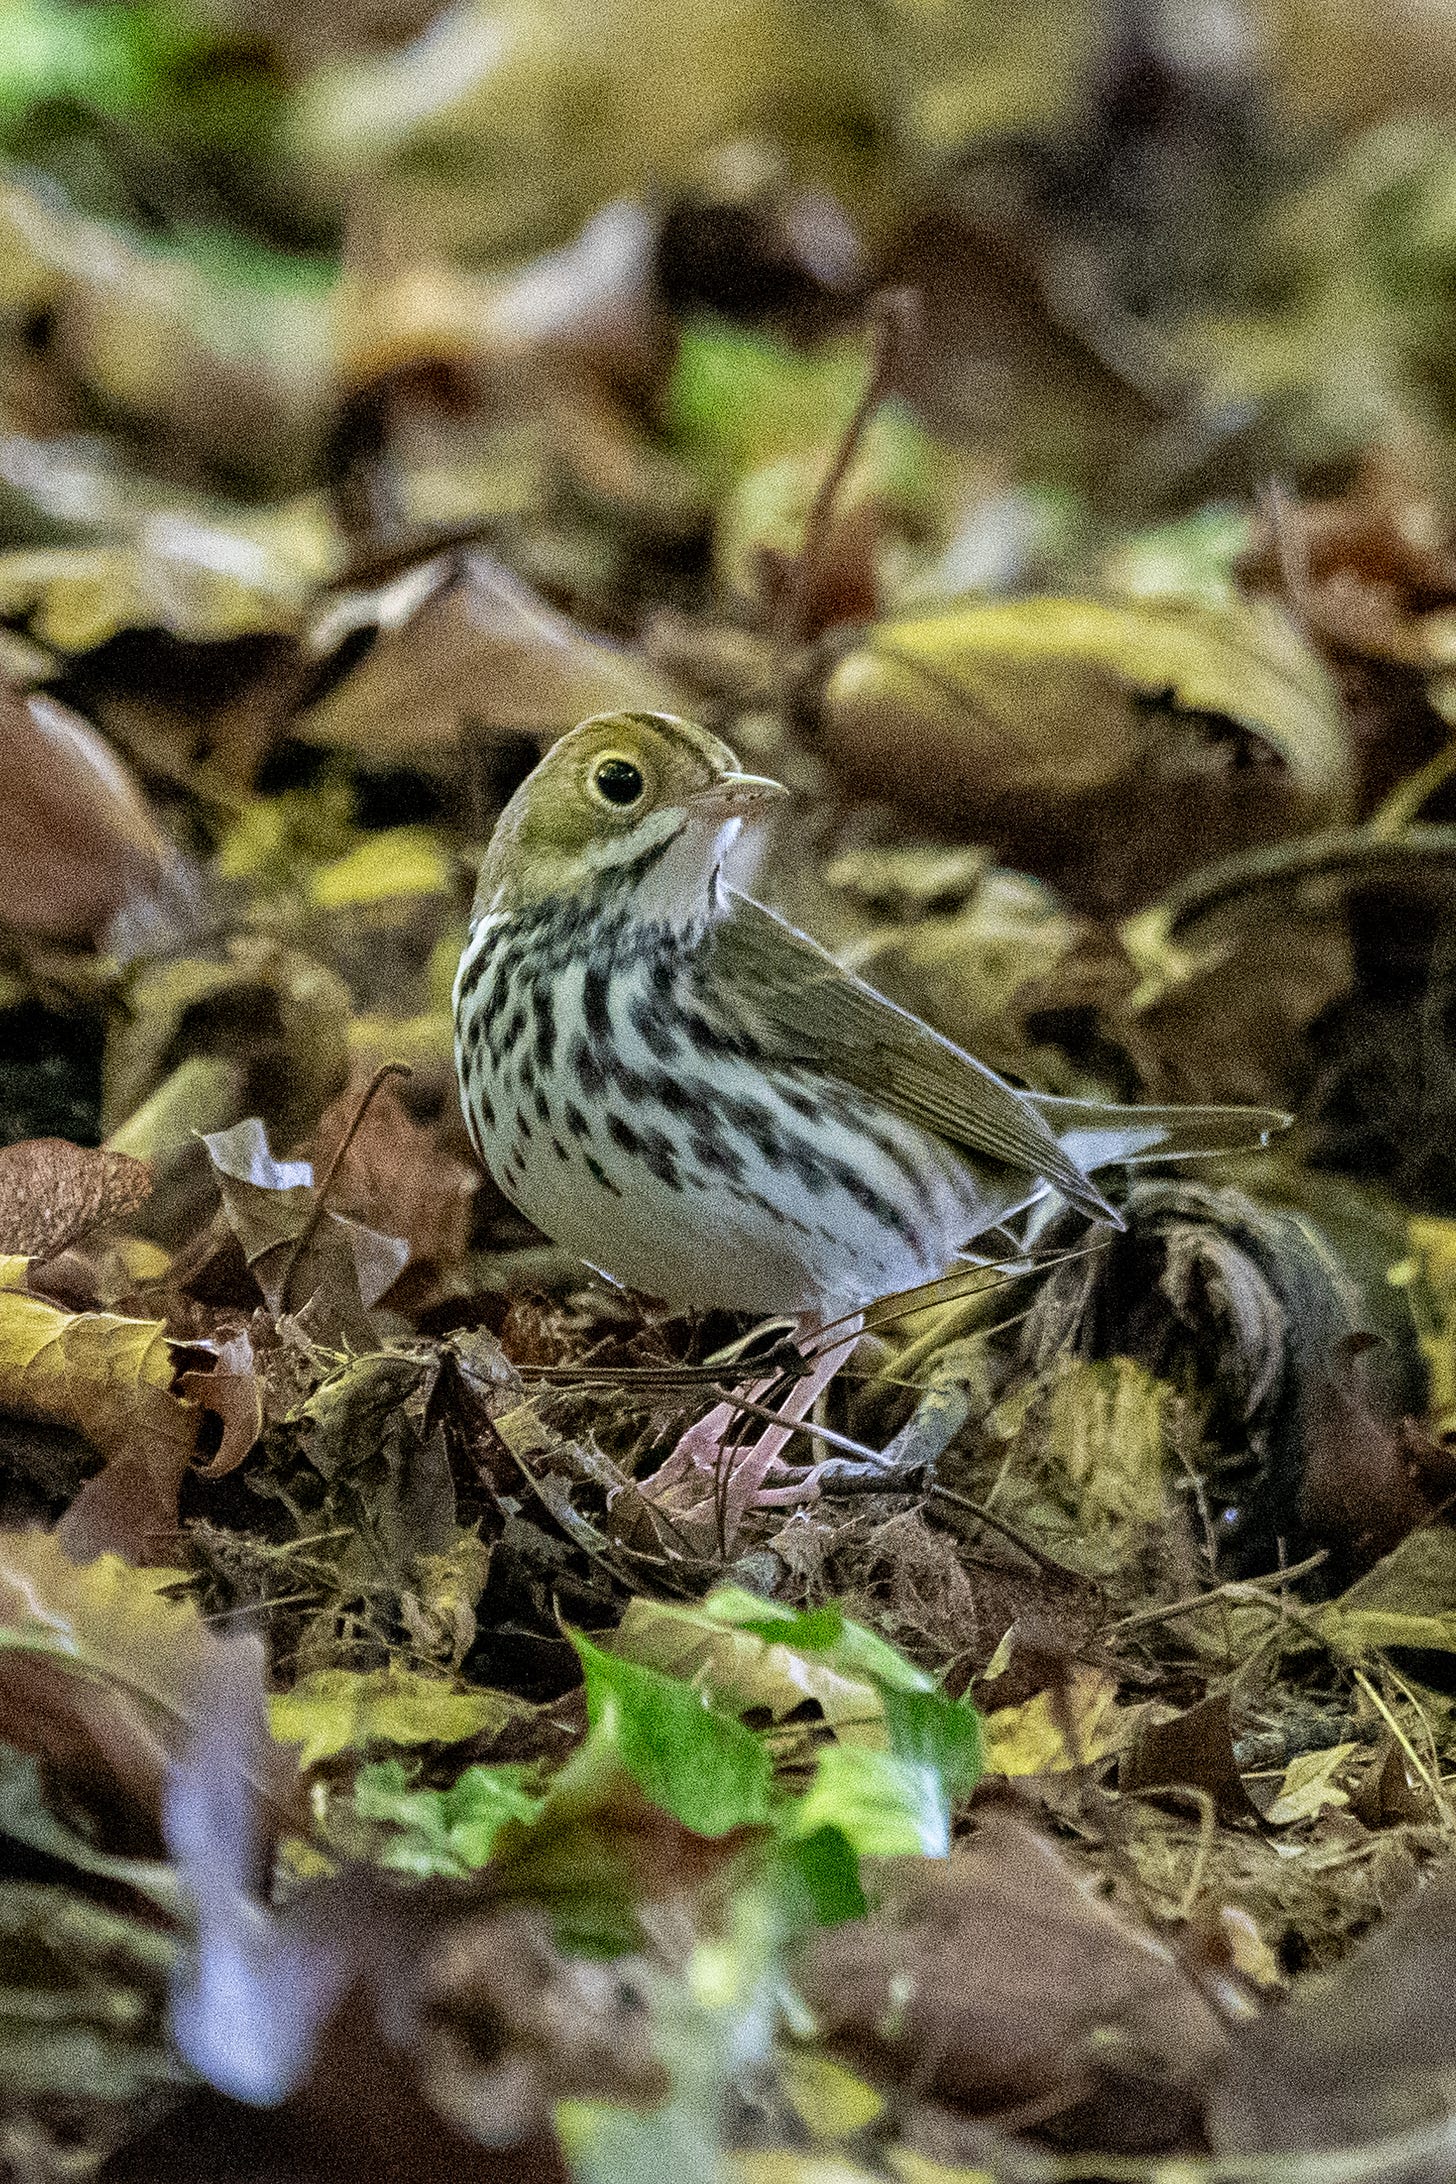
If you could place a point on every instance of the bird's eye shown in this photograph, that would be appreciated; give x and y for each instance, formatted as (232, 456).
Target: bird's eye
(617, 781)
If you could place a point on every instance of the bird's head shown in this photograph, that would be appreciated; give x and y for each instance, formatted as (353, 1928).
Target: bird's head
(627, 801)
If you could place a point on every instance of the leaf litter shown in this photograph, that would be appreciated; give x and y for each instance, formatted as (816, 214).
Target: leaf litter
(392, 1775)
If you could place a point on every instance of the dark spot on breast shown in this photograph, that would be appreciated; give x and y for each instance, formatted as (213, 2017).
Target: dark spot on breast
(576, 1121)
(654, 1027)
(544, 1017)
(523, 1127)
(558, 1148)
(541, 1104)
(587, 1068)
(622, 1133)
(717, 1157)
(595, 1003)
(596, 1169)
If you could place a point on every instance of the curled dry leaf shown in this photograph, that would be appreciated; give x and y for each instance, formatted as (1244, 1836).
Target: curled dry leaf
(233, 1393)
(52, 1192)
(299, 1252)
(461, 642)
(80, 843)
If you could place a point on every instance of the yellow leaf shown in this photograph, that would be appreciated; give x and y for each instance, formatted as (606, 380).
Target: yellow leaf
(1308, 1786)
(830, 2101)
(960, 681)
(399, 861)
(107, 1377)
(1055, 1731)
(338, 1709)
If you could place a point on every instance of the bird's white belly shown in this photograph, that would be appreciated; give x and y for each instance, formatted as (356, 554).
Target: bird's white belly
(773, 1192)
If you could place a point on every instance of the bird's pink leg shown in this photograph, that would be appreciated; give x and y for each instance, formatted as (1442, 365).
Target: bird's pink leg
(704, 1465)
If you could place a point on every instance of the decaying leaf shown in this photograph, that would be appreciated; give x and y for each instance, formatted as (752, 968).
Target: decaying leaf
(52, 1192)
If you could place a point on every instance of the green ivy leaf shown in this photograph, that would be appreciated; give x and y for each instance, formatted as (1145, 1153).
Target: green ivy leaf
(448, 1831)
(699, 1765)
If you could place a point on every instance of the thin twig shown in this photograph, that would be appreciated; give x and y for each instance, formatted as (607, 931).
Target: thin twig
(316, 1213)
(1233, 1588)
(892, 315)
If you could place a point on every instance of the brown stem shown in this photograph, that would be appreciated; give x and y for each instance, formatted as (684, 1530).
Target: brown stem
(893, 316)
(316, 1214)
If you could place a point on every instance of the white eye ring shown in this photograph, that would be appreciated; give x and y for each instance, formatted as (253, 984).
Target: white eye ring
(623, 772)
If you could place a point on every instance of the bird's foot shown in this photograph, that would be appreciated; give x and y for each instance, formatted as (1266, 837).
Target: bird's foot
(709, 1473)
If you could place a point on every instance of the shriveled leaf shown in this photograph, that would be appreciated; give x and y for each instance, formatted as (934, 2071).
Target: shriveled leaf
(52, 1192)
(709, 1771)
(232, 1393)
(337, 1710)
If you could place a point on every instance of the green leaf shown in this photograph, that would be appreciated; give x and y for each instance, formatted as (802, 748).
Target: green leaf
(706, 1769)
(449, 1831)
(820, 1877)
(338, 1710)
(747, 1652)
(897, 1803)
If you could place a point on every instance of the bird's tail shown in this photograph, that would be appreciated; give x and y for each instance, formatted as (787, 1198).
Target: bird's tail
(1095, 1136)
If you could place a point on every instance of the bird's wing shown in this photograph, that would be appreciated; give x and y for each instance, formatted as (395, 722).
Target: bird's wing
(810, 1010)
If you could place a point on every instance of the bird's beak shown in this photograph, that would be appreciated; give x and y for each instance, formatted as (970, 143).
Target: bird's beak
(737, 796)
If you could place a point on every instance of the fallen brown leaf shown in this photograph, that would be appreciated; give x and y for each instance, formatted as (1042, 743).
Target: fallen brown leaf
(80, 842)
(52, 1192)
(1001, 1980)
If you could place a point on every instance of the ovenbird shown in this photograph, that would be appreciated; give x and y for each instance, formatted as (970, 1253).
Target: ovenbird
(696, 1099)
